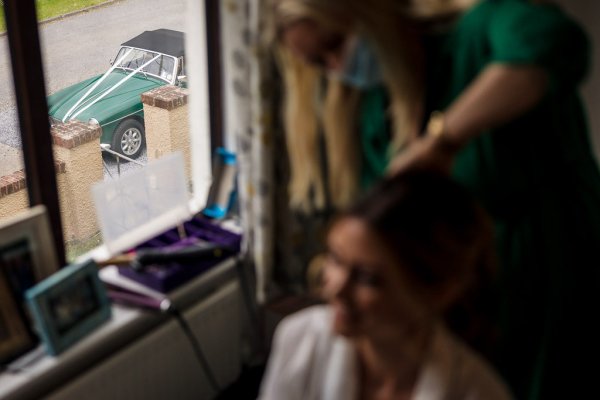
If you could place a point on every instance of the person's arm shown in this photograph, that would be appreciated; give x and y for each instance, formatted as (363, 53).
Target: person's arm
(500, 94)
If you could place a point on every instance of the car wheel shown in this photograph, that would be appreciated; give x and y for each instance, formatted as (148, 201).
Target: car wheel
(129, 138)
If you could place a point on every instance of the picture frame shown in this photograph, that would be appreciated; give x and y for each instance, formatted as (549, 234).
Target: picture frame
(27, 256)
(26, 242)
(68, 305)
(16, 336)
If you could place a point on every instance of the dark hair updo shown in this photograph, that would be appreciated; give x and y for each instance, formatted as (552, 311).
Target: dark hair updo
(440, 235)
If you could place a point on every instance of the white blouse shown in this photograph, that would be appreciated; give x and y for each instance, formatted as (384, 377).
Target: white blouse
(309, 362)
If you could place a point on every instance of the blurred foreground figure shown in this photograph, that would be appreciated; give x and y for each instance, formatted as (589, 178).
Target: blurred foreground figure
(486, 91)
(398, 262)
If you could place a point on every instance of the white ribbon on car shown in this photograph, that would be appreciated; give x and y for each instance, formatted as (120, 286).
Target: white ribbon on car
(98, 82)
(114, 87)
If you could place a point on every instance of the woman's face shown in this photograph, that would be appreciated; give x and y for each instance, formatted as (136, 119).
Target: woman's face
(364, 284)
(314, 44)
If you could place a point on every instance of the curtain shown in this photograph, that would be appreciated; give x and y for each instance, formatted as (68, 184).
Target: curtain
(278, 242)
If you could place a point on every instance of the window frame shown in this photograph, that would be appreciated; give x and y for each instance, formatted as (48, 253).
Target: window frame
(30, 93)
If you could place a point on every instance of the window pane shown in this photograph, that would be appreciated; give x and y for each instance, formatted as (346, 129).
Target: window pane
(97, 65)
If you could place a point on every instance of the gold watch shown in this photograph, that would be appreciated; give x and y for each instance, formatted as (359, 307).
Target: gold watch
(436, 128)
(436, 124)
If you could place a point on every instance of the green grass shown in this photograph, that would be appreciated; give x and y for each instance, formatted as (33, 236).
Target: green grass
(52, 8)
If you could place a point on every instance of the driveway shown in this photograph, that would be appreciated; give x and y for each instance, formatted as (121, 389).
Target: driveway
(78, 47)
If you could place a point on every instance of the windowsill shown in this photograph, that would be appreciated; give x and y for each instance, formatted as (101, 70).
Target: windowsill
(126, 325)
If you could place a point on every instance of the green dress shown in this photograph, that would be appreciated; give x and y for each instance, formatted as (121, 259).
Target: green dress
(374, 135)
(539, 180)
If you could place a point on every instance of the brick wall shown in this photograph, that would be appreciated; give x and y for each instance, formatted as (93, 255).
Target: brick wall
(13, 191)
(78, 166)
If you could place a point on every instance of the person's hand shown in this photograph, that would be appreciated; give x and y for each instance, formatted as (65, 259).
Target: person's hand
(426, 152)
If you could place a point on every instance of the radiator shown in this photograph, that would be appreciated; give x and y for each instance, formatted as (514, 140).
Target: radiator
(162, 364)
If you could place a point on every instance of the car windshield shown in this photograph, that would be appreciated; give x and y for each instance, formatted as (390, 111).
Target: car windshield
(131, 59)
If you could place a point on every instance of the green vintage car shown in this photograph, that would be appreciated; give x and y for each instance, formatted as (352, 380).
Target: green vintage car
(113, 99)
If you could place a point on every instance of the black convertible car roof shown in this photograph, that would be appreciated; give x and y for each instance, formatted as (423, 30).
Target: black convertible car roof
(163, 41)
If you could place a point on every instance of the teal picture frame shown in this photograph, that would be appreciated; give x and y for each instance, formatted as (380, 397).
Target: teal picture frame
(68, 306)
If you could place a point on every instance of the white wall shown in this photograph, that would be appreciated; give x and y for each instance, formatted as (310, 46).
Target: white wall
(587, 13)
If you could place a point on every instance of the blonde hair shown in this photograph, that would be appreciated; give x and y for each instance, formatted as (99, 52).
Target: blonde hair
(391, 27)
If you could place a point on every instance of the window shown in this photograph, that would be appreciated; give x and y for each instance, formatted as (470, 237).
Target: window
(85, 91)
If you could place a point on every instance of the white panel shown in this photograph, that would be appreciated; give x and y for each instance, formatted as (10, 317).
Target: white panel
(162, 364)
(197, 70)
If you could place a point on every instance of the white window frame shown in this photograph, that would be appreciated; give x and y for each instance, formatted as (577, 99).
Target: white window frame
(198, 104)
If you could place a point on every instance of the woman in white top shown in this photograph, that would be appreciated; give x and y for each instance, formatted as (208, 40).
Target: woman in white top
(398, 262)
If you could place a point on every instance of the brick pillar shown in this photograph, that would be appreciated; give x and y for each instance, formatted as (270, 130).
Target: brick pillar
(166, 123)
(77, 145)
